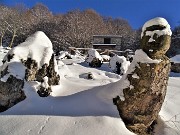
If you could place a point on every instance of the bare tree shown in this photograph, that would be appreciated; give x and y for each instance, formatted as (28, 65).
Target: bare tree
(4, 13)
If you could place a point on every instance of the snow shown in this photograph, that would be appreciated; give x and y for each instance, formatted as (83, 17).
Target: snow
(84, 107)
(38, 47)
(92, 53)
(62, 55)
(120, 59)
(156, 21)
(135, 76)
(175, 59)
(105, 57)
(45, 82)
(140, 56)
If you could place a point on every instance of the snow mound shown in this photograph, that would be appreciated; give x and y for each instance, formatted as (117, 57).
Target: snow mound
(92, 53)
(175, 59)
(37, 47)
(158, 21)
(63, 54)
(121, 60)
(105, 57)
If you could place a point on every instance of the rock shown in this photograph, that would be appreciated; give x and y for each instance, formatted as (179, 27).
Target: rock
(95, 63)
(94, 58)
(35, 74)
(32, 60)
(145, 95)
(11, 92)
(119, 64)
(156, 37)
(90, 76)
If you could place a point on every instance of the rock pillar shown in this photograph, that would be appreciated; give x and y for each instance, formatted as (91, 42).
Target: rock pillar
(148, 78)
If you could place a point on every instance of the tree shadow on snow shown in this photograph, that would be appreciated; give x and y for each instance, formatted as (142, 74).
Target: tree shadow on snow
(104, 66)
(172, 74)
(165, 127)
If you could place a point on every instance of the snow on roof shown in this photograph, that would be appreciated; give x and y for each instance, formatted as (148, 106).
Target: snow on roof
(156, 21)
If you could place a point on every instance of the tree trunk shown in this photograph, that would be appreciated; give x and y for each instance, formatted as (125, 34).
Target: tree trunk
(12, 40)
(1, 41)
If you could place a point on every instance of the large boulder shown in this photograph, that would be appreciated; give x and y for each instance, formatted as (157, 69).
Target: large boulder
(119, 64)
(11, 92)
(94, 58)
(147, 77)
(32, 60)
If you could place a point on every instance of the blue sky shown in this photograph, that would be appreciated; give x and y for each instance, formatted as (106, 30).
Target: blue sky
(136, 12)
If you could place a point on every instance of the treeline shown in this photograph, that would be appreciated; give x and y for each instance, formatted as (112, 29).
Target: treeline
(74, 28)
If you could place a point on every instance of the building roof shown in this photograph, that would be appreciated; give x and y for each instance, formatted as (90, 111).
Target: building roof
(104, 44)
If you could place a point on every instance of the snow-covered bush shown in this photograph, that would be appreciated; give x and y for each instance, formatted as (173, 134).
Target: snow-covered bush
(94, 58)
(119, 64)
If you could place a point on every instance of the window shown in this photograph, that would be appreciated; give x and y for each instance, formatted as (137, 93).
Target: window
(107, 40)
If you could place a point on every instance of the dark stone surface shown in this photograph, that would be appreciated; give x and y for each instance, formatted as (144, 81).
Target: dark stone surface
(175, 67)
(95, 63)
(11, 92)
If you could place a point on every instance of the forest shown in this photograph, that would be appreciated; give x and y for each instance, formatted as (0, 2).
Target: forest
(72, 29)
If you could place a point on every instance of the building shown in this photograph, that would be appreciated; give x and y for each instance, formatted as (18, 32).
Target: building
(111, 42)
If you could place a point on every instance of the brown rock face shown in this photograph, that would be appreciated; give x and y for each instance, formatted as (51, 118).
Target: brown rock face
(145, 95)
(35, 74)
(95, 63)
(157, 48)
(53, 77)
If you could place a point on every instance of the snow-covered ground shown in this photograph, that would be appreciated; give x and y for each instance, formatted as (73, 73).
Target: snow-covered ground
(79, 106)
